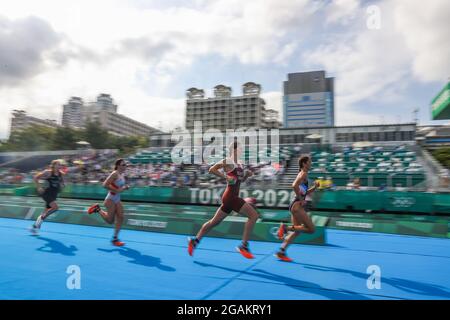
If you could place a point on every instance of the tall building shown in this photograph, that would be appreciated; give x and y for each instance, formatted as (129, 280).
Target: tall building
(73, 113)
(104, 102)
(223, 111)
(271, 119)
(104, 111)
(21, 120)
(118, 124)
(308, 100)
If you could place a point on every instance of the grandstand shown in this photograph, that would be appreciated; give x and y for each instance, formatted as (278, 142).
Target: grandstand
(25, 164)
(28, 161)
(384, 164)
(8, 158)
(374, 166)
(163, 155)
(158, 156)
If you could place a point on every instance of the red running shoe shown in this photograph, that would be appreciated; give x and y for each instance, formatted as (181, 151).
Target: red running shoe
(245, 252)
(117, 243)
(191, 246)
(282, 256)
(94, 208)
(281, 231)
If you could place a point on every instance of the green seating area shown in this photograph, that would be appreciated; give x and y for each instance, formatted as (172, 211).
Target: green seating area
(374, 168)
(164, 156)
(258, 156)
(153, 157)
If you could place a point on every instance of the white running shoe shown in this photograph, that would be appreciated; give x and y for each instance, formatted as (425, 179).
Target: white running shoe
(34, 231)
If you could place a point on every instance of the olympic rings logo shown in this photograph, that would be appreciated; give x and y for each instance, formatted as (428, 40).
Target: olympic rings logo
(274, 231)
(403, 202)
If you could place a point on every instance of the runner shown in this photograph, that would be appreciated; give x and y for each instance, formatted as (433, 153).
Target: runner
(55, 182)
(115, 183)
(301, 221)
(234, 175)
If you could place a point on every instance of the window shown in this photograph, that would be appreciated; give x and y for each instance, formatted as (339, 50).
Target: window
(390, 136)
(373, 136)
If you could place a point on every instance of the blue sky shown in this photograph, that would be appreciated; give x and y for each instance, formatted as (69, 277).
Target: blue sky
(387, 57)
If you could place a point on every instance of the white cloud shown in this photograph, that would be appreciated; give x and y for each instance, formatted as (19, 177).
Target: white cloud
(286, 52)
(124, 47)
(118, 47)
(23, 45)
(425, 27)
(274, 100)
(341, 11)
(374, 65)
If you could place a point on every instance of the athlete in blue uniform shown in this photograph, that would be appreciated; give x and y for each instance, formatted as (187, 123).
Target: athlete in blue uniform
(301, 221)
(55, 182)
(115, 183)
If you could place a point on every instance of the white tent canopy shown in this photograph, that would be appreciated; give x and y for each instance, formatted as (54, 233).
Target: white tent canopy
(83, 143)
(362, 144)
(314, 136)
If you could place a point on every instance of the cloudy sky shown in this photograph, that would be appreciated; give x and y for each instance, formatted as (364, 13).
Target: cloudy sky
(146, 53)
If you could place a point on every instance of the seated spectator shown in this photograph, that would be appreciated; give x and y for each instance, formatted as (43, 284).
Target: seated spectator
(173, 181)
(194, 179)
(328, 183)
(186, 179)
(203, 168)
(321, 182)
(356, 184)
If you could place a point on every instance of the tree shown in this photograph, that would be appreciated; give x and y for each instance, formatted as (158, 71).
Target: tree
(443, 156)
(127, 145)
(66, 138)
(98, 137)
(33, 138)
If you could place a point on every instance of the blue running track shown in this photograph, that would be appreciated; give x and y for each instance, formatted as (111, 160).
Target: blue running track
(157, 266)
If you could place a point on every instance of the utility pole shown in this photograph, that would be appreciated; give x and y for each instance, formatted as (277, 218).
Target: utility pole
(415, 113)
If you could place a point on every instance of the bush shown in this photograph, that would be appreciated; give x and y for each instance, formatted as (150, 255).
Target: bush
(443, 156)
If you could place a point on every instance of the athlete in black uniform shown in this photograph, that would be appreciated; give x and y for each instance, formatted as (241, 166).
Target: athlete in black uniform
(55, 182)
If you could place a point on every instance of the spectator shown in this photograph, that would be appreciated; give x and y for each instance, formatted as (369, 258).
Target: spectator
(321, 183)
(356, 184)
(186, 179)
(194, 179)
(173, 181)
(203, 168)
(328, 183)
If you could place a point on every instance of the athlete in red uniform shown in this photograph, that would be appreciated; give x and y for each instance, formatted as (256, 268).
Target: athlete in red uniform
(234, 174)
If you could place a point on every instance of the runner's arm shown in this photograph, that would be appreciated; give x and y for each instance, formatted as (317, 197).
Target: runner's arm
(109, 181)
(295, 185)
(63, 183)
(216, 167)
(39, 176)
(313, 188)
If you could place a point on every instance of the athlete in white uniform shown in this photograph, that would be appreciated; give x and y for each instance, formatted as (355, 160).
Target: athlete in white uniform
(115, 183)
